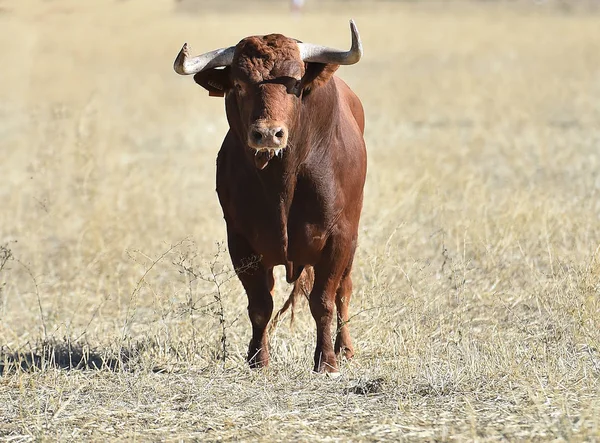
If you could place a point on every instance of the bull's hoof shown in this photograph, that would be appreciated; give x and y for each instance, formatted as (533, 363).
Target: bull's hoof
(328, 373)
(256, 364)
(257, 358)
(345, 352)
(326, 364)
(343, 345)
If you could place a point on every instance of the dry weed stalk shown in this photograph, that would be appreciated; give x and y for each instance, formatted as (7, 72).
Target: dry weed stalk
(132, 305)
(217, 275)
(5, 256)
(37, 296)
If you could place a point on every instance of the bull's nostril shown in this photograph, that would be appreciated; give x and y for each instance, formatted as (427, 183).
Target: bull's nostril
(279, 134)
(256, 136)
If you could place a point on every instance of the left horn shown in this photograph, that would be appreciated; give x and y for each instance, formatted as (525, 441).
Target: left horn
(323, 54)
(186, 65)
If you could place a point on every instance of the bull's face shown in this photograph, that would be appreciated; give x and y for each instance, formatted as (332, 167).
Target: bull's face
(264, 81)
(264, 95)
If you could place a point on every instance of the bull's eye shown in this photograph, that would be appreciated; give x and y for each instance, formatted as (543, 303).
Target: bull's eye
(238, 88)
(292, 86)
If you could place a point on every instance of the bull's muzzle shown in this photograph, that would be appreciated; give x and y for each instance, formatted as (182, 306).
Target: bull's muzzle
(263, 135)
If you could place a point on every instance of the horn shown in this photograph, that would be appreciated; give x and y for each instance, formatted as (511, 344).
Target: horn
(186, 65)
(322, 54)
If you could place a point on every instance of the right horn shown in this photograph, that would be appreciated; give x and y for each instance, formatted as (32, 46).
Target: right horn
(186, 65)
(323, 54)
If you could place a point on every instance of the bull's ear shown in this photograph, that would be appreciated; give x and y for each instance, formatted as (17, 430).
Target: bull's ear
(216, 81)
(316, 75)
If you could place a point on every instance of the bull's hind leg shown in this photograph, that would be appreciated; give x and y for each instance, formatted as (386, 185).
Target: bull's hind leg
(258, 282)
(343, 342)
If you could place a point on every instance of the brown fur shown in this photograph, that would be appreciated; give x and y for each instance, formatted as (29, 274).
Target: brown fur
(300, 210)
(263, 58)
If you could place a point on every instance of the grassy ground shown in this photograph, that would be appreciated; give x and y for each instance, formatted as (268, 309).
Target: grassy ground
(476, 311)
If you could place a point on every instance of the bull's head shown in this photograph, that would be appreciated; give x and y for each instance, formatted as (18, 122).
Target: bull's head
(265, 79)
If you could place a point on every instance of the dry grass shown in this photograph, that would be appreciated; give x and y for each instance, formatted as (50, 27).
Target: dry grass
(477, 281)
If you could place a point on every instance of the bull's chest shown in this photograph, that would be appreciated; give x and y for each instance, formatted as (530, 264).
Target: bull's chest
(281, 228)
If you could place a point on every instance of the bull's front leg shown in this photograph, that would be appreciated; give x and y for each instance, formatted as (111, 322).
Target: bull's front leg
(260, 309)
(328, 275)
(258, 282)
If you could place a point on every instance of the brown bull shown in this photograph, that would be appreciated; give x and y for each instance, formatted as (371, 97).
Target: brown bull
(290, 175)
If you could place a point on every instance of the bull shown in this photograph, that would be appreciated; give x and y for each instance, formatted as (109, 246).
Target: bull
(290, 176)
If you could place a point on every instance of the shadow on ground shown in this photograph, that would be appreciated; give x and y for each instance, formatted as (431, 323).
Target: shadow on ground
(61, 354)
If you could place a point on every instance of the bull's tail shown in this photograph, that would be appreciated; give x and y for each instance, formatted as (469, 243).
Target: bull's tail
(302, 287)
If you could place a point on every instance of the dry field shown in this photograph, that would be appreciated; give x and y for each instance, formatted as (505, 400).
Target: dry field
(476, 311)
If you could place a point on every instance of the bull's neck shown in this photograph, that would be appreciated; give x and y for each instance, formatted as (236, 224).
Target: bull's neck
(278, 180)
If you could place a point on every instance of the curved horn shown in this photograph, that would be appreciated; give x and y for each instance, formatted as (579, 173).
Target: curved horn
(322, 54)
(186, 65)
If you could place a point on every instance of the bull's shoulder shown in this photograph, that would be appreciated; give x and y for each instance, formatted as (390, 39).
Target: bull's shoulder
(350, 101)
(232, 175)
